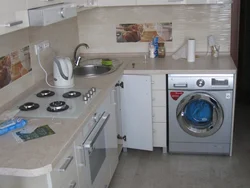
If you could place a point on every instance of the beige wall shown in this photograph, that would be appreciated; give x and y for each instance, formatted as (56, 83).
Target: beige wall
(97, 26)
(63, 38)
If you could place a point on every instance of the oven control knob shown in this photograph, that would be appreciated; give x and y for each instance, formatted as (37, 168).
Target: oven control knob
(200, 83)
(91, 92)
(88, 95)
(93, 89)
(85, 98)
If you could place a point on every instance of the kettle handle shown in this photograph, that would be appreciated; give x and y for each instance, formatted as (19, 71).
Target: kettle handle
(70, 68)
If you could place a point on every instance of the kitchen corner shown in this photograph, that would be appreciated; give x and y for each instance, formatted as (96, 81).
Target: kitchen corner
(113, 97)
(44, 153)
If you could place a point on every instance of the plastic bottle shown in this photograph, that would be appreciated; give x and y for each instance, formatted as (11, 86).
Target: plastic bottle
(152, 51)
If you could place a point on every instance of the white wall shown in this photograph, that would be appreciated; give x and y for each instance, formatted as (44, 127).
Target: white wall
(97, 26)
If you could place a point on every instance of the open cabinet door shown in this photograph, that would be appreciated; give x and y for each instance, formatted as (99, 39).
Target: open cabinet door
(136, 110)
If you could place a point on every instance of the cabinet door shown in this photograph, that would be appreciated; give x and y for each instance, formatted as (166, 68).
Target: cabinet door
(201, 1)
(83, 176)
(136, 105)
(119, 115)
(160, 2)
(13, 16)
(111, 131)
(41, 3)
(83, 3)
(104, 3)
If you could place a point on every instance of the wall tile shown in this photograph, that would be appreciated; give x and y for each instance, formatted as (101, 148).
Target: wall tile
(97, 26)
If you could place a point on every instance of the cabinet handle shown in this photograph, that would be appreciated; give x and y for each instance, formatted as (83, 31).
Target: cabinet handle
(66, 164)
(62, 12)
(48, 0)
(72, 184)
(83, 159)
(11, 24)
(152, 82)
(113, 97)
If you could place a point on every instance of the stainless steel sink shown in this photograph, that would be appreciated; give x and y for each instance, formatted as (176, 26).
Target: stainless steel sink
(95, 68)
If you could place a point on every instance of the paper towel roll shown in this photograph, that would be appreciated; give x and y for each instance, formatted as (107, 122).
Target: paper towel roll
(191, 51)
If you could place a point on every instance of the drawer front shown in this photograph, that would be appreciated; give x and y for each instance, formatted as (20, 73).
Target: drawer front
(13, 21)
(159, 134)
(41, 3)
(65, 170)
(159, 114)
(159, 98)
(159, 82)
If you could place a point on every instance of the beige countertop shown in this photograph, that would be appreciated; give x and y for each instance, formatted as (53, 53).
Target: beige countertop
(40, 156)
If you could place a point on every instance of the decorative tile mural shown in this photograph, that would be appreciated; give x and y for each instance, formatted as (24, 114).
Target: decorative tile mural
(14, 66)
(144, 32)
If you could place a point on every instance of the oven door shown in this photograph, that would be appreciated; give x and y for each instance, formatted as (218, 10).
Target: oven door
(95, 149)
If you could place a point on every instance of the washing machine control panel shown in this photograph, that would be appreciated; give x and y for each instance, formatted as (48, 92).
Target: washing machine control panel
(200, 83)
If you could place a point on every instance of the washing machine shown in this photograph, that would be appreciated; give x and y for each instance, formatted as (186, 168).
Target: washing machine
(200, 113)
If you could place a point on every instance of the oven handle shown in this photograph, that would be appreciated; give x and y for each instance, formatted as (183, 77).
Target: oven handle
(88, 144)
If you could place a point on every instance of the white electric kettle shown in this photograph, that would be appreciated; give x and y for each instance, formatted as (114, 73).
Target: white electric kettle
(63, 73)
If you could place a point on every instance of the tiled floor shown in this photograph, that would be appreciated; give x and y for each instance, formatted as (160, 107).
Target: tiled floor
(140, 169)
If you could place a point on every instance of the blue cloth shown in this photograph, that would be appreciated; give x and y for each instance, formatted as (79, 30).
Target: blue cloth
(199, 112)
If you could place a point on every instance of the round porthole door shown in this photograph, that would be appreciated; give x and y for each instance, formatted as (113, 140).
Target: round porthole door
(200, 115)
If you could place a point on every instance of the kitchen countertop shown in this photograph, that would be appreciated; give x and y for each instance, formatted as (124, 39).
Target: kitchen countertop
(40, 156)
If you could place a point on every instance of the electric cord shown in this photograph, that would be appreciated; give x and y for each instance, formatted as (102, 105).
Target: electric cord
(46, 74)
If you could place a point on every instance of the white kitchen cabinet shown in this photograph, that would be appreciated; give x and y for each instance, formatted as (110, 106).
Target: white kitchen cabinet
(83, 4)
(159, 114)
(104, 3)
(159, 135)
(160, 2)
(120, 135)
(111, 131)
(201, 1)
(41, 3)
(159, 111)
(136, 105)
(80, 162)
(159, 98)
(65, 172)
(13, 16)
(159, 82)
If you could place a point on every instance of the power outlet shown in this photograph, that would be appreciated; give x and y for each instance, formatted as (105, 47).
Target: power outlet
(41, 46)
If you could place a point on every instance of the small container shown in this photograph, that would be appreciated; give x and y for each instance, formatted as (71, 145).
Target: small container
(152, 51)
(161, 50)
(155, 43)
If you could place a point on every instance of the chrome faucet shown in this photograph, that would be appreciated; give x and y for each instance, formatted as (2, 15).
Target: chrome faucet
(78, 58)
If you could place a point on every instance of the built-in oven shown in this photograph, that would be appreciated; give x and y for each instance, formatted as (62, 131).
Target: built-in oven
(94, 147)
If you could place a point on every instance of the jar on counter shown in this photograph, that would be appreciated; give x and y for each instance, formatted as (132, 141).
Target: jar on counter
(161, 50)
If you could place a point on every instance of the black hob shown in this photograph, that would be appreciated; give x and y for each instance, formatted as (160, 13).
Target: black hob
(29, 106)
(57, 106)
(45, 93)
(72, 94)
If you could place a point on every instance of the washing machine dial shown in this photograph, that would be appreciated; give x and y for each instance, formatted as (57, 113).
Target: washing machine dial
(200, 83)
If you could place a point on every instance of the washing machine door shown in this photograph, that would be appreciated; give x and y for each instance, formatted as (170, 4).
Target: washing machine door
(200, 114)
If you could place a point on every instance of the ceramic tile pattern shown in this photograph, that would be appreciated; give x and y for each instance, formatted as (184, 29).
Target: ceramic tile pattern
(97, 26)
(140, 169)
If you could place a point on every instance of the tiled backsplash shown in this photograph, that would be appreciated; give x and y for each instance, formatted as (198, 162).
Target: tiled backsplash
(97, 27)
(63, 38)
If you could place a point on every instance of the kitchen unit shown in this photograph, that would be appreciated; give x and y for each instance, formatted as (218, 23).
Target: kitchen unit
(144, 117)
(60, 160)
(38, 3)
(106, 3)
(13, 16)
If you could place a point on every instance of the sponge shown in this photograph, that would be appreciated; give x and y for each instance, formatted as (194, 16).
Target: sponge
(107, 62)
